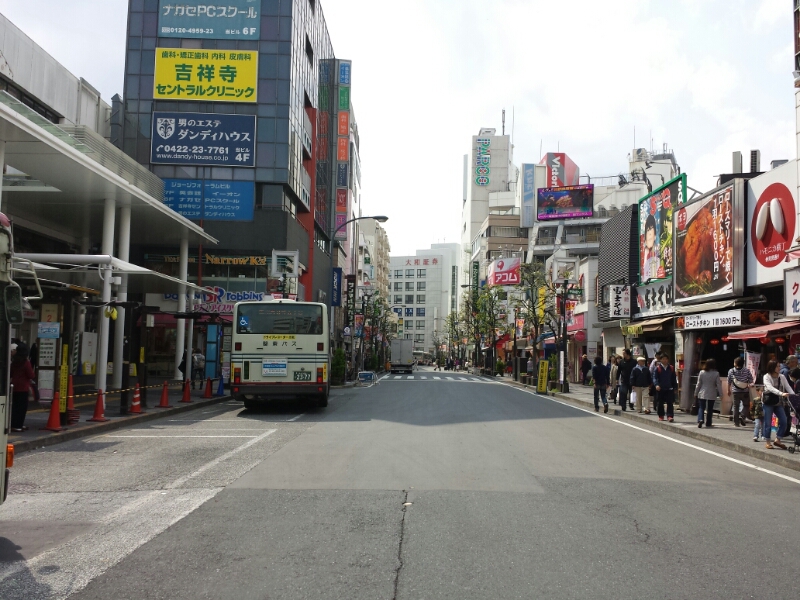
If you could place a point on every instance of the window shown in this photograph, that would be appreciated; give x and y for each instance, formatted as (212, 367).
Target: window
(409, 272)
(409, 324)
(420, 312)
(309, 51)
(410, 299)
(398, 273)
(398, 299)
(420, 286)
(420, 337)
(409, 286)
(398, 286)
(279, 319)
(409, 336)
(420, 324)
(313, 4)
(420, 272)
(409, 312)
(420, 299)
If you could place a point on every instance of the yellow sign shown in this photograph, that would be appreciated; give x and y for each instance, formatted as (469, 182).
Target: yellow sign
(206, 75)
(541, 383)
(63, 379)
(325, 372)
(279, 338)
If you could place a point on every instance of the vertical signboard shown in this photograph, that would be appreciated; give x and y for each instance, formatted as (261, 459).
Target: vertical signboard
(620, 301)
(544, 369)
(351, 300)
(343, 78)
(475, 275)
(791, 291)
(336, 287)
(528, 216)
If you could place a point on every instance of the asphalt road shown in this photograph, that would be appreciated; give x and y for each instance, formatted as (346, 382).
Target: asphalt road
(417, 488)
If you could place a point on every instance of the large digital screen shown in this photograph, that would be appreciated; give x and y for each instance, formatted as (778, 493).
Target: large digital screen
(567, 202)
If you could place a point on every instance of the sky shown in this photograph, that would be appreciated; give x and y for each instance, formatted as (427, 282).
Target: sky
(705, 77)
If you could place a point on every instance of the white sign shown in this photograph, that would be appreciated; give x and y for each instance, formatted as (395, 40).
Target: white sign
(725, 318)
(620, 301)
(47, 381)
(791, 292)
(654, 299)
(274, 367)
(591, 350)
(47, 352)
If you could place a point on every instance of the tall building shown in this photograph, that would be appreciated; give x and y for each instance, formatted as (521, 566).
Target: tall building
(378, 247)
(424, 290)
(245, 113)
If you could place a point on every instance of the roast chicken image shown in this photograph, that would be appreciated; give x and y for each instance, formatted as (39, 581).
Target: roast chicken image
(696, 253)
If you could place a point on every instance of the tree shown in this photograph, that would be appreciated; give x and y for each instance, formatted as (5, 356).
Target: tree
(490, 306)
(537, 302)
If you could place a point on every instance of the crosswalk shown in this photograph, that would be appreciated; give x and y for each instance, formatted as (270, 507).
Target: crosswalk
(443, 378)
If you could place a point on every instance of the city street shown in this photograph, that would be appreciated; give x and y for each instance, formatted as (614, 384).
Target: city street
(431, 485)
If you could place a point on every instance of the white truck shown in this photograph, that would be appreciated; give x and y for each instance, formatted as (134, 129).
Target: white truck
(402, 356)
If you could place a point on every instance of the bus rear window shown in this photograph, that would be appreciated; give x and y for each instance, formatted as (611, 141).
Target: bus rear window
(300, 319)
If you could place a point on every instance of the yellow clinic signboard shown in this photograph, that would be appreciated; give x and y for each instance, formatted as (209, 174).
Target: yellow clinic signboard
(206, 75)
(541, 383)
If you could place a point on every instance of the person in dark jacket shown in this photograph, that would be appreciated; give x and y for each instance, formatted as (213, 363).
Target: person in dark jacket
(586, 367)
(600, 376)
(21, 376)
(666, 383)
(640, 383)
(626, 366)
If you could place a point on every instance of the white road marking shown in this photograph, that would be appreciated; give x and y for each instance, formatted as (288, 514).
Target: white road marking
(410, 377)
(437, 378)
(179, 436)
(398, 376)
(294, 418)
(423, 377)
(666, 437)
(449, 378)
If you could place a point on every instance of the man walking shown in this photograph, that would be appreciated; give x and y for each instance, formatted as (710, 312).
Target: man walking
(653, 364)
(625, 369)
(666, 383)
(640, 382)
(586, 368)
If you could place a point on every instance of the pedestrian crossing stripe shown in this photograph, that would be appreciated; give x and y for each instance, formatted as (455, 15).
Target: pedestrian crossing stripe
(437, 378)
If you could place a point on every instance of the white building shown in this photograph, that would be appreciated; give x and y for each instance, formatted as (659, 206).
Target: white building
(424, 290)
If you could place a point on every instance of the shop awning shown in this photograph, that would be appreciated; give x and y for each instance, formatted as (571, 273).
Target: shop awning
(645, 326)
(763, 330)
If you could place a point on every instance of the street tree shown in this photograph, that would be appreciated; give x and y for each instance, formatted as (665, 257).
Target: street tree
(536, 302)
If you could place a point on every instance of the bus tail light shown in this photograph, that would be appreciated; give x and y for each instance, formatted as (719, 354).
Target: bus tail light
(9, 456)
(319, 375)
(321, 347)
(237, 346)
(237, 375)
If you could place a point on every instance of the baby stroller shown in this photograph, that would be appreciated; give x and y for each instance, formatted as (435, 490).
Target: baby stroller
(794, 402)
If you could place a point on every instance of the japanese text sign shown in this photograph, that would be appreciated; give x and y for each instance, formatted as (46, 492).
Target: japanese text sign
(343, 149)
(655, 229)
(336, 287)
(345, 71)
(654, 299)
(341, 174)
(351, 299)
(620, 301)
(207, 19)
(725, 318)
(341, 219)
(51, 331)
(206, 75)
(211, 200)
(203, 139)
(344, 123)
(505, 271)
(791, 291)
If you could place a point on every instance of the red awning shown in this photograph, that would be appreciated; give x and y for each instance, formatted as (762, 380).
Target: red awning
(762, 330)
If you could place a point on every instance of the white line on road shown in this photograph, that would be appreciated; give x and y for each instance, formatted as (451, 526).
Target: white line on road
(410, 377)
(437, 378)
(666, 437)
(449, 378)
(423, 377)
(179, 436)
(294, 418)
(398, 376)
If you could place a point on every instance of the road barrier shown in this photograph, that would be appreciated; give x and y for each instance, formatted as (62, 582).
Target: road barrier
(99, 409)
(54, 420)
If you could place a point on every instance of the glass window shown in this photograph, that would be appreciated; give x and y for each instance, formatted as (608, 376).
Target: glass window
(409, 286)
(420, 286)
(409, 312)
(398, 299)
(409, 272)
(410, 299)
(420, 272)
(398, 286)
(409, 336)
(420, 324)
(398, 273)
(420, 312)
(280, 318)
(420, 337)
(420, 298)
(409, 324)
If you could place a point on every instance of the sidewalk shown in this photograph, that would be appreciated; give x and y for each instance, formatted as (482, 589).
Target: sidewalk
(38, 414)
(724, 434)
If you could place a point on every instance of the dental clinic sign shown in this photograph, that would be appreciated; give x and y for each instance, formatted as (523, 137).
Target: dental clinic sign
(483, 158)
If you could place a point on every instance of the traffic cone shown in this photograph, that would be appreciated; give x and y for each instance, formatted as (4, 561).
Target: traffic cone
(207, 393)
(54, 420)
(221, 388)
(136, 404)
(99, 409)
(164, 397)
(186, 399)
(73, 414)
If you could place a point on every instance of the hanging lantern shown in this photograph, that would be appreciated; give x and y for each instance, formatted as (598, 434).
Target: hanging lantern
(764, 341)
(714, 342)
(699, 341)
(780, 340)
(725, 338)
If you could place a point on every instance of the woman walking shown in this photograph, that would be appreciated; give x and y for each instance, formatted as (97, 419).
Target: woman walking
(709, 386)
(21, 376)
(613, 377)
(740, 380)
(600, 376)
(775, 389)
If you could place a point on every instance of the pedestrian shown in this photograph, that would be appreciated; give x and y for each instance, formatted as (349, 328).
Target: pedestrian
(529, 366)
(640, 382)
(21, 376)
(740, 380)
(600, 376)
(652, 390)
(775, 389)
(757, 414)
(788, 365)
(613, 377)
(586, 368)
(198, 367)
(708, 387)
(666, 382)
(626, 366)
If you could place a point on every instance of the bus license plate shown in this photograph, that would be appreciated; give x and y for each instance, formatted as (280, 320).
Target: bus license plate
(302, 375)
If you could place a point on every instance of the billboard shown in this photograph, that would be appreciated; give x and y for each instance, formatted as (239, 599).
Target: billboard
(505, 271)
(206, 75)
(568, 202)
(229, 20)
(210, 200)
(655, 229)
(654, 299)
(483, 160)
(528, 195)
(709, 257)
(561, 171)
(203, 139)
(772, 218)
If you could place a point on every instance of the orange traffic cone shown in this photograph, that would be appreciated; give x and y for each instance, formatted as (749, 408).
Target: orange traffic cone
(73, 414)
(186, 398)
(207, 393)
(136, 404)
(99, 409)
(54, 420)
(164, 397)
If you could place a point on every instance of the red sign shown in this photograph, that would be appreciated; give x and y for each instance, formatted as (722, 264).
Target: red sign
(505, 271)
(773, 223)
(561, 171)
(343, 149)
(341, 201)
(344, 123)
(576, 322)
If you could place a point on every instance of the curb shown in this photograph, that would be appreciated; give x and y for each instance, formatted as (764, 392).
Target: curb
(117, 423)
(775, 457)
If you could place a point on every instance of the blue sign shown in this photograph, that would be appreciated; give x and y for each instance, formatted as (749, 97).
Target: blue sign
(409, 312)
(244, 321)
(49, 331)
(345, 69)
(206, 19)
(336, 295)
(203, 139)
(210, 200)
(341, 175)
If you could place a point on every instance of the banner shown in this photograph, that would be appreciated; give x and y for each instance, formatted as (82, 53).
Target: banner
(204, 19)
(655, 229)
(752, 360)
(351, 300)
(203, 139)
(528, 195)
(336, 295)
(206, 75)
(654, 299)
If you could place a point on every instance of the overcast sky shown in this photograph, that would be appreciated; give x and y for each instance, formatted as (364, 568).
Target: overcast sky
(707, 77)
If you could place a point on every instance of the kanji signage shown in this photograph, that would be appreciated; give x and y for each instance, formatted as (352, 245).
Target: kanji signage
(206, 19)
(620, 301)
(791, 291)
(351, 300)
(344, 98)
(345, 72)
(203, 139)
(725, 318)
(341, 174)
(654, 299)
(344, 123)
(210, 200)
(343, 149)
(336, 287)
(206, 75)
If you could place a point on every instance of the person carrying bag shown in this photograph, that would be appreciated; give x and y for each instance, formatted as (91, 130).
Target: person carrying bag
(776, 388)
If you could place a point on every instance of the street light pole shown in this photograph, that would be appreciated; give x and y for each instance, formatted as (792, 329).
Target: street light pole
(565, 375)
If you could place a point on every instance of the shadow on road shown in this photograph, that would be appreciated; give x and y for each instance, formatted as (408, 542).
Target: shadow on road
(21, 583)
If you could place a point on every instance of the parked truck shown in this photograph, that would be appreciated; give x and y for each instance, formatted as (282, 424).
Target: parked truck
(402, 356)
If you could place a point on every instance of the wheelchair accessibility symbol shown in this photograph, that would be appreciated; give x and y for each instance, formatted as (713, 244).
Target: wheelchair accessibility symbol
(244, 321)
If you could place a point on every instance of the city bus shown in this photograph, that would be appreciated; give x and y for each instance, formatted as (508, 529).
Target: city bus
(281, 349)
